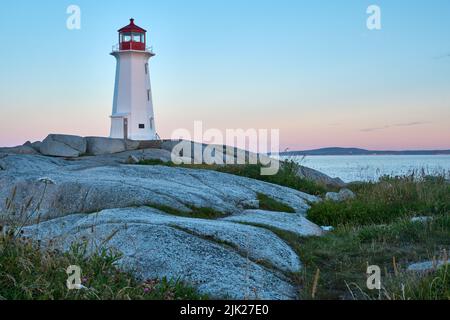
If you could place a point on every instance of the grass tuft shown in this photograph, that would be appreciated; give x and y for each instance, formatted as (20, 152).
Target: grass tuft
(197, 212)
(270, 204)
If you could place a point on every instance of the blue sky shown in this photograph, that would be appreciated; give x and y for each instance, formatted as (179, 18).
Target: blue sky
(309, 68)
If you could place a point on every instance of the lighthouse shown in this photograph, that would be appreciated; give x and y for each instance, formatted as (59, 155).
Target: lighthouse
(132, 113)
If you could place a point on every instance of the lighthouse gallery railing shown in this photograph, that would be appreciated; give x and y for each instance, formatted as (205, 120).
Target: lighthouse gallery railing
(117, 47)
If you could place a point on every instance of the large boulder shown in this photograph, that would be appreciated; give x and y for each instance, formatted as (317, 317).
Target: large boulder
(184, 151)
(126, 157)
(319, 177)
(194, 152)
(132, 145)
(35, 145)
(19, 150)
(256, 243)
(86, 185)
(60, 145)
(102, 145)
(220, 258)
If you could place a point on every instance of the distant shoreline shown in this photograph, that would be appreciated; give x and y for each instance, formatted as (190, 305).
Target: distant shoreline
(375, 154)
(334, 151)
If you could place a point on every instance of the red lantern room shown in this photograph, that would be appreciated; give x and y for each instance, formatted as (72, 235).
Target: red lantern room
(132, 37)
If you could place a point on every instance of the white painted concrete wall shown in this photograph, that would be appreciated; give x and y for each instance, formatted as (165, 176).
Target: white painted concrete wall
(131, 99)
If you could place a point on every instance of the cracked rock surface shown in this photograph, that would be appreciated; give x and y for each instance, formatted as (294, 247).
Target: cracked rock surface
(59, 187)
(221, 258)
(109, 204)
(292, 222)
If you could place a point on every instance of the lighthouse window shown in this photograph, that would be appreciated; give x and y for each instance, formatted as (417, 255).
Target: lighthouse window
(126, 37)
(148, 95)
(141, 126)
(137, 37)
(146, 68)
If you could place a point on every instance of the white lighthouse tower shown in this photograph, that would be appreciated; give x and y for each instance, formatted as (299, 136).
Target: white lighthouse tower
(132, 114)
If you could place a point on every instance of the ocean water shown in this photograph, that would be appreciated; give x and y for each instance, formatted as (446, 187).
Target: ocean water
(371, 168)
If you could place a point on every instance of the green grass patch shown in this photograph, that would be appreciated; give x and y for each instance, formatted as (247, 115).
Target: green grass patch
(342, 258)
(286, 176)
(28, 272)
(386, 201)
(156, 162)
(270, 204)
(197, 212)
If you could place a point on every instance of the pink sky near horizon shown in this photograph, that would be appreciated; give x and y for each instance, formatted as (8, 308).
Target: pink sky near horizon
(397, 122)
(300, 132)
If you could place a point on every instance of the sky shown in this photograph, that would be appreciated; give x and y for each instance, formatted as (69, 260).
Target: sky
(310, 68)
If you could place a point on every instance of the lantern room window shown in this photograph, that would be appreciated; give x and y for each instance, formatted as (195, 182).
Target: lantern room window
(137, 37)
(126, 37)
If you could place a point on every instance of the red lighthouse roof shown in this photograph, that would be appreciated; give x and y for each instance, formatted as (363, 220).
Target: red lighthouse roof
(132, 28)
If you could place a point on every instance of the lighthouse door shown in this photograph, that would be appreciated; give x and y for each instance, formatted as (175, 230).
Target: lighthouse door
(125, 128)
